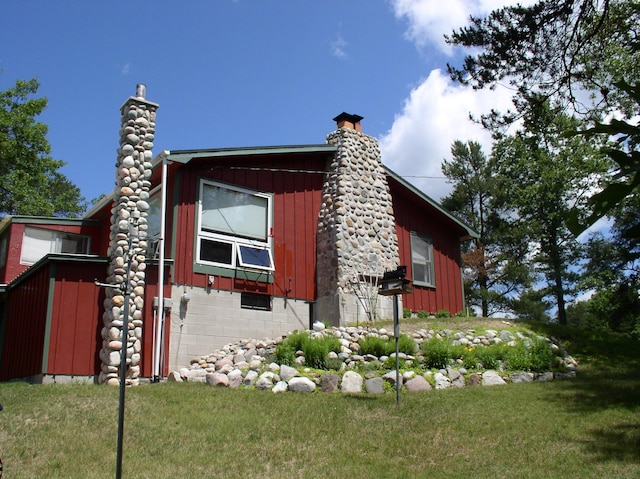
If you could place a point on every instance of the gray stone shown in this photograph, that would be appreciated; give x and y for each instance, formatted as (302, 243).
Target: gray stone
(217, 379)
(419, 383)
(174, 377)
(474, 379)
(391, 378)
(521, 378)
(458, 382)
(235, 378)
(374, 385)
(329, 383)
(492, 378)
(287, 372)
(442, 381)
(548, 376)
(351, 382)
(250, 378)
(264, 382)
(453, 374)
(302, 385)
(280, 387)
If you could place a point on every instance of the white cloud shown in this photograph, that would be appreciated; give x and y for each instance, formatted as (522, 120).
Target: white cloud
(338, 47)
(126, 68)
(429, 20)
(437, 111)
(434, 116)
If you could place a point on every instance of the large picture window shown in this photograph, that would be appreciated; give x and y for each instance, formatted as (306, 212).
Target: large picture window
(233, 227)
(422, 260)
(38, 242)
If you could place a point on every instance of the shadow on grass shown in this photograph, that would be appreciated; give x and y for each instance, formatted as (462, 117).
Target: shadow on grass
(608, 384)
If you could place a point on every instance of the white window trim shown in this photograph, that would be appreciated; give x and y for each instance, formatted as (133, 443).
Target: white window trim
(415, 236)
(235, 241)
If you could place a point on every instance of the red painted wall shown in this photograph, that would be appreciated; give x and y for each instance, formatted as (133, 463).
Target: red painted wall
(296, 203)
(24, 329)
(75, 321)
(447, 293)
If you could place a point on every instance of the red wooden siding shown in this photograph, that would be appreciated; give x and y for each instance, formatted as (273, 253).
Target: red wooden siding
(24, 329)
(148, 331)
(296, 203)
(76, 319)
(411, 216)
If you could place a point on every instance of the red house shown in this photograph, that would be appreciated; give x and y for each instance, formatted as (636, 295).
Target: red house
(248, 242)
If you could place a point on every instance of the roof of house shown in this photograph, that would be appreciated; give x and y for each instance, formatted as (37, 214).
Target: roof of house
(185, 156)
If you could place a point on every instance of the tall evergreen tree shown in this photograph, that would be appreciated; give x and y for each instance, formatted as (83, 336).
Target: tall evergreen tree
(541, 175)
(494, 263)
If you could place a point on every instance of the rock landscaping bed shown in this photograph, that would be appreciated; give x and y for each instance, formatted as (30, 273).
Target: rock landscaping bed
(429, 359)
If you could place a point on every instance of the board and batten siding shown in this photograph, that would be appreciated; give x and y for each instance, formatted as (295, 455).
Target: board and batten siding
(447, 293)
(296, 203)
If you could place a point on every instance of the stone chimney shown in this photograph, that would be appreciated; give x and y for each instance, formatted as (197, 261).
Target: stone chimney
(357, 240)
(128, 241)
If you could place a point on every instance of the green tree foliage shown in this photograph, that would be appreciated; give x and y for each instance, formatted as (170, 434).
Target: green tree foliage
(541, 174)
(30, 181)
(556, 48)
(494, 263)
(612, 271)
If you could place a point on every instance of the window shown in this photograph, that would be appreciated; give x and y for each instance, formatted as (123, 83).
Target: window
(153, 224)
(422, 260)
(261, 302)
(233, 227)
(38, 242)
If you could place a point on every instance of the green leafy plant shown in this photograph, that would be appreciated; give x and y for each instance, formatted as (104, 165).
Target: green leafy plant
(316, 350)
(436, 353)
(384, 347)
(535, 356)
(443, 313)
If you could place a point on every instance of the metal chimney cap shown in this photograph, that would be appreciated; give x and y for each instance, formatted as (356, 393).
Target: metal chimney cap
(141, 90)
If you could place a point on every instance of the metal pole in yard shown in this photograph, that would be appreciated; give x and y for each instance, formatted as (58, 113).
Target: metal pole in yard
(123, 359)
(396, 333)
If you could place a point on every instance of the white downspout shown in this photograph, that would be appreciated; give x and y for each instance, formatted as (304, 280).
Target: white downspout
(159, 320)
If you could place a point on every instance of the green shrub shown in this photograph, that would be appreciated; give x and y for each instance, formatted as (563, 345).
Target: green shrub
(491, 356)
(316, 350)
(436, 353)
(535, 356)
(375, 345)
(384, 347)
(296, 339)
(406, 345)
(469, 358)
(443, 313)
(406, 313)
(285, 354)
(423, 314)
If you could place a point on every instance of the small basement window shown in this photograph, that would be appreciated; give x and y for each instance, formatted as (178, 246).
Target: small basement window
(260, 302)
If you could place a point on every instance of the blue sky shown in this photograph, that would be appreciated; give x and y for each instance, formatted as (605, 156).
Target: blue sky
(246, 73)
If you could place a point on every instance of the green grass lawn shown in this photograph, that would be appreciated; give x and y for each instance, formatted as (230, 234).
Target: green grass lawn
(586, 427)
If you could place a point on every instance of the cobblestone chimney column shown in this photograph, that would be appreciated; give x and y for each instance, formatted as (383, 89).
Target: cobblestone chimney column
(357, 240)
(128, 241)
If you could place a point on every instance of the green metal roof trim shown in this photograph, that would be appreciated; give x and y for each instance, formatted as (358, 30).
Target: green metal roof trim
(470, 231)
(67, 258)
(45, 220)
(184, 156)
